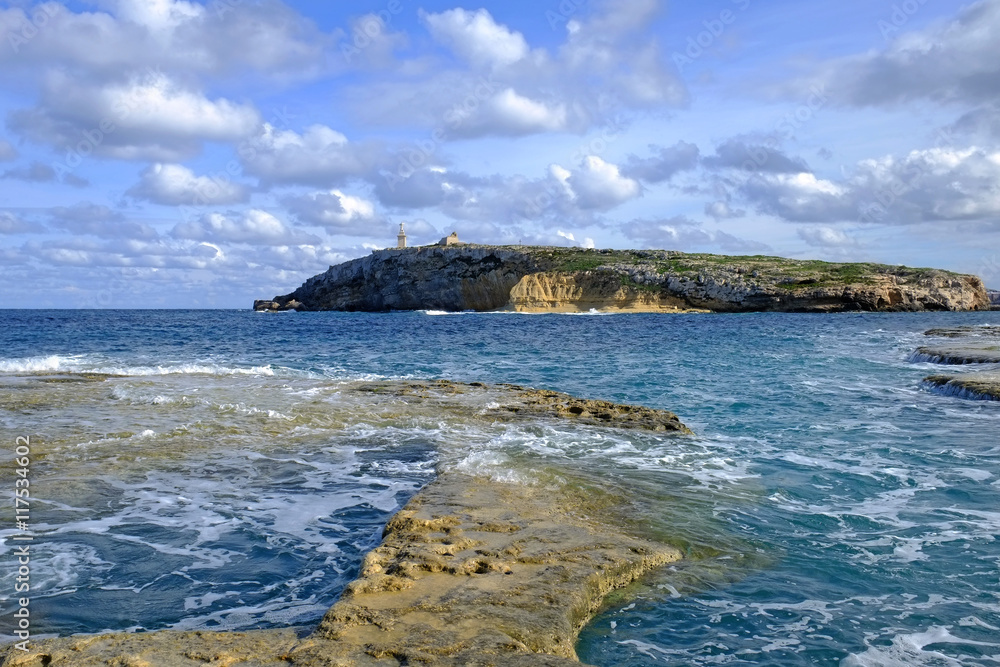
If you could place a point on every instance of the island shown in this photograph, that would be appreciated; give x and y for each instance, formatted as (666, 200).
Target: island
(457, 277)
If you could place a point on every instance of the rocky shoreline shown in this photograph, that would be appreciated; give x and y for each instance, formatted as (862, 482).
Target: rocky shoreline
(964, 346)
(547, 279)
(471, 571)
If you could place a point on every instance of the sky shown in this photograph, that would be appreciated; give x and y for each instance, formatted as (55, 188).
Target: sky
(185, 154)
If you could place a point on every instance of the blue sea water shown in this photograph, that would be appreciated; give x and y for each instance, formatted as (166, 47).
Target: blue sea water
(203, 469)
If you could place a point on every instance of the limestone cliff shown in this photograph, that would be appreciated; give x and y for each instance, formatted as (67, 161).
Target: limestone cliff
(546, 279)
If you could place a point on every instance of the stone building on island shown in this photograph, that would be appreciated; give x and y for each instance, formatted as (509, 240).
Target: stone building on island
(451, 239)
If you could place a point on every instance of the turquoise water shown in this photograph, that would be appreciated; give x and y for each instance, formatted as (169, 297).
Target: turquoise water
(834, 512)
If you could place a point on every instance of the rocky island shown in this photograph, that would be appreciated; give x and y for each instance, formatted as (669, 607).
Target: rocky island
(538, 279)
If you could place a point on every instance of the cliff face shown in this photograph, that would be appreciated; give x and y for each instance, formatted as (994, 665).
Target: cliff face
(535, 279)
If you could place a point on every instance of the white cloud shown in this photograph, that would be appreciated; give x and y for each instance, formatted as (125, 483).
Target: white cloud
(949, 61)
(508, 113)
(148, 117)
(609, 64)
(159, 15)
(253, 227)
(319, 156)
(180, 37)
(939, 184)
(600, 185)
(476, 37)
(721, 210)
(338, 212)
(176, 185)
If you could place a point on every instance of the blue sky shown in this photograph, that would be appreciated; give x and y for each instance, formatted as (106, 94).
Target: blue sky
(172, 153)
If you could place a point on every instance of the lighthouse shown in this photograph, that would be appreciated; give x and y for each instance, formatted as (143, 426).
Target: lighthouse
(401, 237)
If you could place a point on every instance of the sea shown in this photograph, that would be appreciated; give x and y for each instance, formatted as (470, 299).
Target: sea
(210, 470)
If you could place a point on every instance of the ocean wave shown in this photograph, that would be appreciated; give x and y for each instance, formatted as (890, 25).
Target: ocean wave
(37, 364)
(100, 366)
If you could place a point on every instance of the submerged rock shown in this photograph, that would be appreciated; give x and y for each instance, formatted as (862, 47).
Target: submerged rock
(966, 345)
(470, 572)
(547, 279)
(510, 401)
(977, 386)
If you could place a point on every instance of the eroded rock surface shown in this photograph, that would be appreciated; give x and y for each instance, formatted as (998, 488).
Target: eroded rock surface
(546, 279)
(470, 572)
(962, 346)
(509, 401)
(980, 386)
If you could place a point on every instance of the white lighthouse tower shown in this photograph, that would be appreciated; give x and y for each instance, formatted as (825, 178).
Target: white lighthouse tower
(401, 237)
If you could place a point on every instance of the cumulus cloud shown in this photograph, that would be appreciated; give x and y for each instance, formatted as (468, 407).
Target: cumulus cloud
(319, 156)
(948, 62)
(476, 37)
(254, 227)
(176, 185)
(338, 212)
(569, 236)
(939, 184)
(508, 113)
(148, 117)
(665, 164)
(599, 185)
(607, 63)
(173, 34)
(721, 210)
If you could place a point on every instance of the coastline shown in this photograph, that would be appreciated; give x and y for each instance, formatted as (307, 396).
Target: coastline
(470, 571)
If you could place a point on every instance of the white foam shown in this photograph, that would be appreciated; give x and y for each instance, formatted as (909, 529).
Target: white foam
(36, 364)
(907, 650)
